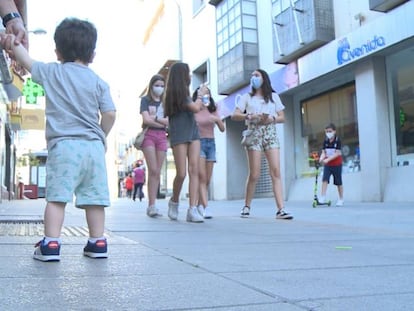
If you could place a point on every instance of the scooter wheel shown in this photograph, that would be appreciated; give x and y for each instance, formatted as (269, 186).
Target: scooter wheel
(314, 203)
(329, 203)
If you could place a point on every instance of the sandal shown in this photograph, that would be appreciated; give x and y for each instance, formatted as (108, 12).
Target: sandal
(245, 211)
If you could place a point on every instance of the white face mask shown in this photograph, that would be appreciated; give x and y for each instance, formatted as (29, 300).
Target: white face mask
(158, 90)
(330, 135)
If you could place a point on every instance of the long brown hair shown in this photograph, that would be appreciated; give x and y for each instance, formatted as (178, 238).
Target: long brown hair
(266, 87)
(177, 89)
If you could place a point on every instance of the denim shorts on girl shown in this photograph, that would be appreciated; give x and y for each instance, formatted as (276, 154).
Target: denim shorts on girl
(208, 149)
(77, 168)
(156, 139)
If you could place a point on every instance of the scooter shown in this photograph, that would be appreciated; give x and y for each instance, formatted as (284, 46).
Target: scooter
(315, 203)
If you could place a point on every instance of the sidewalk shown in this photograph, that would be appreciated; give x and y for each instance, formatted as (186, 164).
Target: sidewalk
(355, 257)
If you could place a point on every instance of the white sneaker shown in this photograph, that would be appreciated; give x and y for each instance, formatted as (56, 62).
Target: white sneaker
(340, 202)
(172, 210)
(193, 215)
(207, 213)
(152, 211)
(321, 200)
(200, 210)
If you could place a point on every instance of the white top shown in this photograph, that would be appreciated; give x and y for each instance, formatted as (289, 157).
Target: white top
(257, 105)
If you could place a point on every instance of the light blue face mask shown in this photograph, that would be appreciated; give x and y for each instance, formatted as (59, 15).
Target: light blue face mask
(256, 82)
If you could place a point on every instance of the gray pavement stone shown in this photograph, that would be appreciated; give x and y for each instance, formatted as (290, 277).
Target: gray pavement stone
(356, 257)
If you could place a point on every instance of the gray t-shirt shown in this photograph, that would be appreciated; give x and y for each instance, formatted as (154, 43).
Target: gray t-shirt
(74, 97)
(153, 108)
(183, 127)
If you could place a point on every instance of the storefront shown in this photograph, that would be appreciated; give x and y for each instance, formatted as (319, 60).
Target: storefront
(364, 83)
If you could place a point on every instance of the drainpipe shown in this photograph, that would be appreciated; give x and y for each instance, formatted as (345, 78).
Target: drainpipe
(180, 31)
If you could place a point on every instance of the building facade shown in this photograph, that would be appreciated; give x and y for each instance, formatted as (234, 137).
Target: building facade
(11, 117)
(346, 62)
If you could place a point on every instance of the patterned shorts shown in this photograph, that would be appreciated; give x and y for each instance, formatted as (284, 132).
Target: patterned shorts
(77, 167)
(264, 138)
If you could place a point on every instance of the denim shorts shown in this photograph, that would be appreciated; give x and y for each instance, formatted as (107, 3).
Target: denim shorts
(208, 149)
(77, 167)
(156, 139)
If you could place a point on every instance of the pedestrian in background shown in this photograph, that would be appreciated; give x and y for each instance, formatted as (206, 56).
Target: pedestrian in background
(129, 185)
(139, 181)
(261, 109)
(79, 115)
(155, 144)
(331, 157)
(206, 120)
(184, 138)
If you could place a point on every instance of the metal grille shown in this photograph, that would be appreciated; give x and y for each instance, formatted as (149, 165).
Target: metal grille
(264, 184)
(35, 228)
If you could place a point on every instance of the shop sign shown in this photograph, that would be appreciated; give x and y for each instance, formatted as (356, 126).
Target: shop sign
(347, 53)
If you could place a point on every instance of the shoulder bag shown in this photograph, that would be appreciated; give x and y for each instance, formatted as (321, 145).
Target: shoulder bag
(140, 138)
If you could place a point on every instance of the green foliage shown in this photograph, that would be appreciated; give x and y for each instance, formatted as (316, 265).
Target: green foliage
(26, 160)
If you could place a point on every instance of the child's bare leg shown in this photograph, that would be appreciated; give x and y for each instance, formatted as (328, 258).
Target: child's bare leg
(324, 188)
(53, 218)
(95, 217)
(341, 192)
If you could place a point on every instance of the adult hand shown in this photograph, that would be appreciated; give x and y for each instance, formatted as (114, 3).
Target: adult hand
(6, 42)
(15, 34)
(16, 27)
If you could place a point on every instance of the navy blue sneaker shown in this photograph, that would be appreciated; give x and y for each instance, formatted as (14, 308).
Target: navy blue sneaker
(99, 249)
(47, 252)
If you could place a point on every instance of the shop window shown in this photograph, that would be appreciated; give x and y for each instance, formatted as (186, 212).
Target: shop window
(402, 81)
(201, 75)
(339, 107)
(237, 43)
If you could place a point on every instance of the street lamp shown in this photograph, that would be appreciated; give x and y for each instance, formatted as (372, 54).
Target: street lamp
(180, 30)
(38, 31)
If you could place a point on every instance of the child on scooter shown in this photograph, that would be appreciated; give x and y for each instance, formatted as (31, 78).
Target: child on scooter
(331, 157)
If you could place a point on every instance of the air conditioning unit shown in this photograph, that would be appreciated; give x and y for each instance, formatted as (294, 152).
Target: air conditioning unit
(384, 5)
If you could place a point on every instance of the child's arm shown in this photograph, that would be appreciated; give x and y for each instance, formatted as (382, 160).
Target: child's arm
(332, 157)
(337, 153)
(323, 156)
(218, 121)
(196, 106)
(20, 53)
(107, 121)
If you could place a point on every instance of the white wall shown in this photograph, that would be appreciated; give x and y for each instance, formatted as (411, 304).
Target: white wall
(345, 12)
